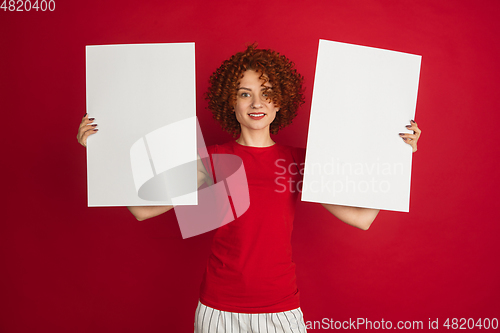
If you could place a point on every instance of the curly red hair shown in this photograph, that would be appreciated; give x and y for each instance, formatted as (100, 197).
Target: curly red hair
(274, 68)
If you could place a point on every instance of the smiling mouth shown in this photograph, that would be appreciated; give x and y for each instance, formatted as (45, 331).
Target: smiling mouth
(257, 115)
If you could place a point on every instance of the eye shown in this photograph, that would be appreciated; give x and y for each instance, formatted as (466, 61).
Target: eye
(245, 94)
(267, 94)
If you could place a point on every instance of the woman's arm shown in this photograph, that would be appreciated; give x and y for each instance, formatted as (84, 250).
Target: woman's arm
(142, 213)
(358, 217)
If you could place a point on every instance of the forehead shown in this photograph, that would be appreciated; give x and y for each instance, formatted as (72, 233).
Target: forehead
(251, 77)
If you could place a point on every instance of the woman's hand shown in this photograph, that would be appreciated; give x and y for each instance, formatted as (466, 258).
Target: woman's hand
(412, 139)
(86, 128)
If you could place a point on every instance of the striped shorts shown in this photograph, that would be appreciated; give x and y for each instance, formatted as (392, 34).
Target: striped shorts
(210, 320)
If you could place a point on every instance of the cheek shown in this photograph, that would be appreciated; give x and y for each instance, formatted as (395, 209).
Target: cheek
(239, 108)
(272, 117)
(237, 114)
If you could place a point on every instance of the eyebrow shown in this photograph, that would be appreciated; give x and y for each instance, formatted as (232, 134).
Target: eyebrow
(263, 88)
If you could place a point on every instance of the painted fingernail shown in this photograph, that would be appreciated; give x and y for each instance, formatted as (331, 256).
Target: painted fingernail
(85, 116)
(94, 125)
(404, 139)
(401, 134)
(95, 129)
(412, 121)
(91, 118)
(408, 126)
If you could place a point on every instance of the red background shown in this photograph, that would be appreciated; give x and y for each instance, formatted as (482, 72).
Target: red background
(68, 268)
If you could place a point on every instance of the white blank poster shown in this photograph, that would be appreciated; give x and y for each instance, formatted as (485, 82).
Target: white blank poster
(142, 97)
(363, 98)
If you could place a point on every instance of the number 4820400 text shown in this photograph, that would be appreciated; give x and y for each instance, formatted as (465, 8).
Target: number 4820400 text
(28, 6)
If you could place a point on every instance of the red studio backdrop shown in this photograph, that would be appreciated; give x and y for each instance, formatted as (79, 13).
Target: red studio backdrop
(68, 268)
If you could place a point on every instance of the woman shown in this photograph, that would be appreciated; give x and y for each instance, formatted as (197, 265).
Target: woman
(250, 284)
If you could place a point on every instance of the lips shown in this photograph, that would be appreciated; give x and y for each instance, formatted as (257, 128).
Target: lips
(257, 115)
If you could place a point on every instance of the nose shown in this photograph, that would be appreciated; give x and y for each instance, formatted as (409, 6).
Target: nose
(256, 102)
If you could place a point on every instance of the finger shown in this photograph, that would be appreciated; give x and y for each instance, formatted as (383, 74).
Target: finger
(86, 121)
(83, 140)
(409, 141)
(417, 130)
(411, 127)
(84, 129)
(85, 125)
(408, 135)
(412, 143)
(85, 118)
(414, 128)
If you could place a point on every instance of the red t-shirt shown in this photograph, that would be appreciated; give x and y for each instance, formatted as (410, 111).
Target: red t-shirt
(250, 269)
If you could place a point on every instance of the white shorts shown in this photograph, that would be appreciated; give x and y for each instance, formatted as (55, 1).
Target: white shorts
(210, 320)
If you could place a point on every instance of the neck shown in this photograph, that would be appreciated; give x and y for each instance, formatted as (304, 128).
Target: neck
(255, 138)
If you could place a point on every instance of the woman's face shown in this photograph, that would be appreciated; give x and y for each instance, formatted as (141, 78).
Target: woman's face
(254, 108)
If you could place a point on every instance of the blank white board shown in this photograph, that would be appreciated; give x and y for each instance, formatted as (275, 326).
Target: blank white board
(363, 98)
(142, 97)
